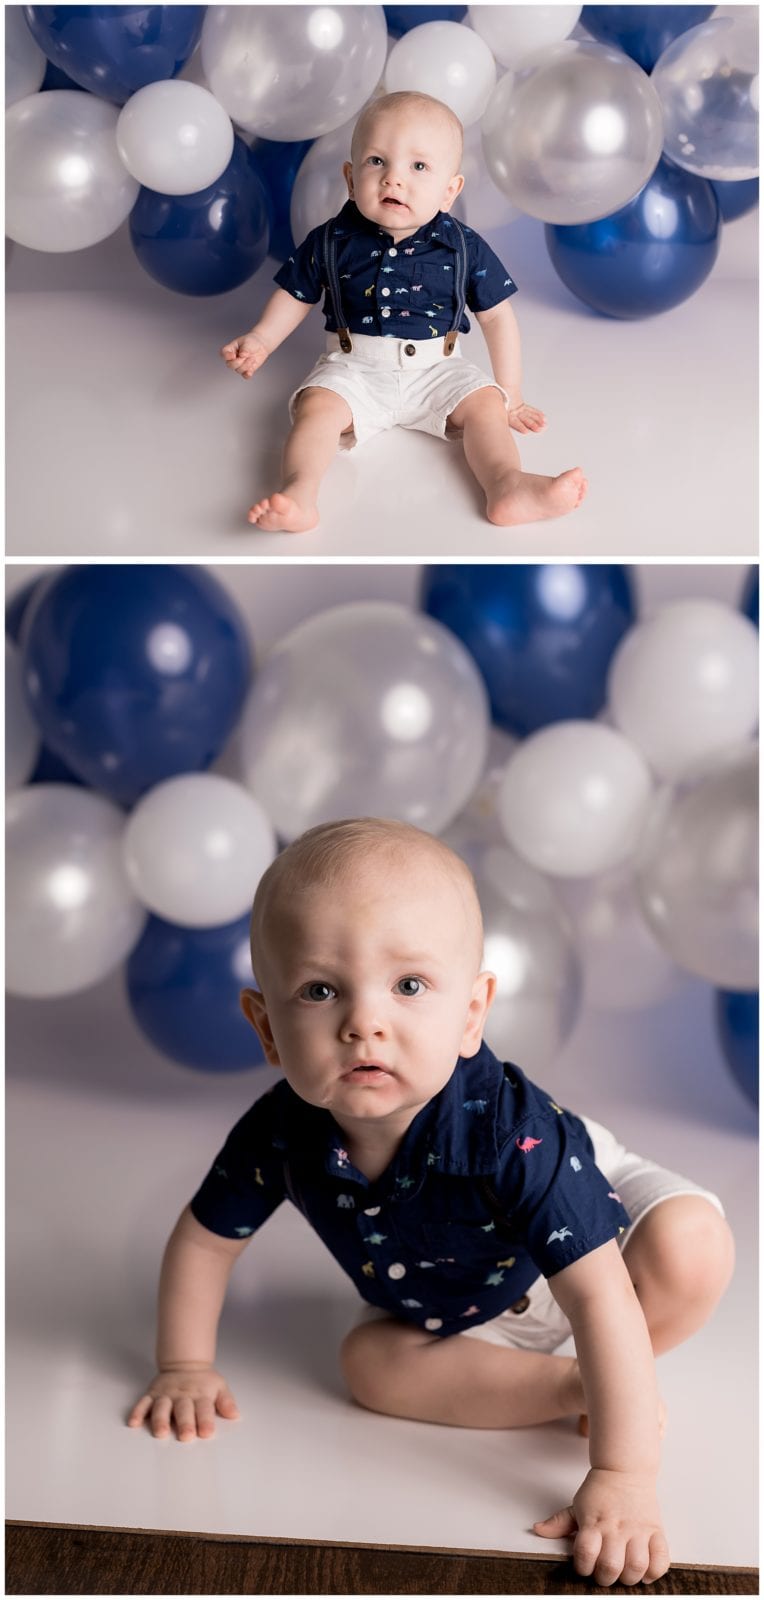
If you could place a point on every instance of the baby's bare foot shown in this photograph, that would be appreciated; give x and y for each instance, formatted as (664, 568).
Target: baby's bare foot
(522, 497)
(280, 513)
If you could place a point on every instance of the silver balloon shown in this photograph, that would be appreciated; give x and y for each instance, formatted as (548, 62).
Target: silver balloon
(625, 969)
(367, 709)
(478, 825)
(320, 190)
(293, 72)
(70, 912)
(708, 84)
(66, 187)
(447, 61)
(22, 735)
(25, 62)
(481, 205)
(698, 881)
(574, 133)
(514, 32)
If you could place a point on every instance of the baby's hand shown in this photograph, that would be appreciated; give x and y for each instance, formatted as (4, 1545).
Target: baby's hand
(616, 1526)
(526, 419)
(245, 354)
(189, 1396)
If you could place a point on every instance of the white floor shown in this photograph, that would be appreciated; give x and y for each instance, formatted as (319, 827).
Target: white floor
(126, 436)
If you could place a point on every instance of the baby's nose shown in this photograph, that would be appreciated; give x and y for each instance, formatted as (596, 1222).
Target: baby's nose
(363, 1020)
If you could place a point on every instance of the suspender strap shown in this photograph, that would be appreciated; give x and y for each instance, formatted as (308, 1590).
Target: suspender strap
(330, 258)
(460, 288)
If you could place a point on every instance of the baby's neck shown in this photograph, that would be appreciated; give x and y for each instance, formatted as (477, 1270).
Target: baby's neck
(371, 1148)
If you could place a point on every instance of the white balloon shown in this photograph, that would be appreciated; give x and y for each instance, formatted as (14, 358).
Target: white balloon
(367, 709)
(625, 969)
(25, 63)
(319, 189)
(290, 71)
(684, 684)
(708, 84)
(574, 798)
(481, 205)
(513, 32)
(196, 847)
(447, 61)
(174, 137)
(69, 906)
(66, 186)
(22, 735)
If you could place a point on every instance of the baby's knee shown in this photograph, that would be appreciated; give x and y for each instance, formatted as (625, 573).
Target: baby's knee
(691, 1248)
(373, 1360)
(315, 401)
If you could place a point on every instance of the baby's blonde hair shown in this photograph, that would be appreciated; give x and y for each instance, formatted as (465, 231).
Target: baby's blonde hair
(409, 100)
(324, 855)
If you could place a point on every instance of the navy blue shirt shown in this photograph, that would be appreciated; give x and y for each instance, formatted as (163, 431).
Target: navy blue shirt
(406, 290)
(493, 1184)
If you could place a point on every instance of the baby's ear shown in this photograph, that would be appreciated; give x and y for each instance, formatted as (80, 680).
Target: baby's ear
(347, 171)
(453, 189)
(483, 991)
(254, 1008)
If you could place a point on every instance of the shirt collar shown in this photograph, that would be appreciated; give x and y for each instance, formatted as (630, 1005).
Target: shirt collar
(440, 227)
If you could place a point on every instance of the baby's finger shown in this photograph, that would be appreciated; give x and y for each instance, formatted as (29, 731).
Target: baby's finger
(610, 1560)
(636, 1560)
(161, 1413)
(185, 1418)
(558, 1526)
(226, 1405)
(586, 1549)
(660, 1560)
(205, 1418)
(140, 1411)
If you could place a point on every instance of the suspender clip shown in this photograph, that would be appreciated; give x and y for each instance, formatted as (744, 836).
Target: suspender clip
(449, 343)
(346, 343)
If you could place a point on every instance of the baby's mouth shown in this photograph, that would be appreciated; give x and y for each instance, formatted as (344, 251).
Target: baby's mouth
(391, 201)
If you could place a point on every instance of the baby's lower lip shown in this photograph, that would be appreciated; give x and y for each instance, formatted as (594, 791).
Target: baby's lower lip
(390, 202)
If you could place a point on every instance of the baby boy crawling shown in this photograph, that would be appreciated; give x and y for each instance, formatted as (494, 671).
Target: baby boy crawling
(397, 273)
(480, 1221)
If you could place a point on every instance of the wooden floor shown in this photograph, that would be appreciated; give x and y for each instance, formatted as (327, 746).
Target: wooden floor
(65, 1560)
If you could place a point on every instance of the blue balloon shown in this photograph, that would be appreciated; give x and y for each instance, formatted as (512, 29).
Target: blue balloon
(644, 32)
(736, 199)
(400, 19)
(649, 256)
(56, 79)
(749, 600)
(209, 242)
(114, 50)
(183, 985)
(134, 673)
(737, 1017)
(50, 768)
(542, 636)
(277, 162)
(17, 607)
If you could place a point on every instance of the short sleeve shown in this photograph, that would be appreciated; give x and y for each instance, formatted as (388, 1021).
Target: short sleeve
(245, 1183)
(488, 282)
(302, 274)
(562, 1206)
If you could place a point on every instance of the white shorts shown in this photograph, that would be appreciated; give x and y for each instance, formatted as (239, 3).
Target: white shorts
(390, 383)
(537, 1322)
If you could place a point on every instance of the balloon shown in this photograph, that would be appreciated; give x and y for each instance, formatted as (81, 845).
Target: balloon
(175, 137)
(277, 164)
(56, 79)
(320, 190)
(114, 50)
(293, 72)
(16, 607)
(477, 826)
(22, 735)
(205, 243)
(684, 684)
(25, 62)
(708, 86)
(183, 985)
(195, 849)
(542, 636)
(698, 878)
(574, 798)
(49, 768)
(514, 32)
(134, 672)
(66, 187)
(749, 600)
(625, 969)
(400, 18)
(481, 205)
(68, 902)
(737, 1017)
(448, 61)
(736, 199)
(649, 256)
(365, 710)
(573, 133)
(644, 32)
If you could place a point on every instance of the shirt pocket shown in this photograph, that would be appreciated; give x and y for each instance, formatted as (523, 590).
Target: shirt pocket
(466, 1244)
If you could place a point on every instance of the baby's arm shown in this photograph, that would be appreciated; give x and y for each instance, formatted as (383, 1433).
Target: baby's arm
(281, 316)
(187, 1389)
(502, 336)
(614, 1515)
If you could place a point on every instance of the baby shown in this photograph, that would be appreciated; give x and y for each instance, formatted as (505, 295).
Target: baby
(396, 273)
(480, 1221)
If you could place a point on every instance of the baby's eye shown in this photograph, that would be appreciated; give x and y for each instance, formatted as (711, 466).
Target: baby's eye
(372, 159)
(420, 166)
(410, 986)
(317, 992)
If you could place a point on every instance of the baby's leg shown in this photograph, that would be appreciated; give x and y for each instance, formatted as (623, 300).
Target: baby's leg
(320, 417)
(398, 1369)
(680, 1259)
(512, 496)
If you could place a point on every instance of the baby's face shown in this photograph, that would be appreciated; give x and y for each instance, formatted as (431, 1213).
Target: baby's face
(371, 990)
(404, 171)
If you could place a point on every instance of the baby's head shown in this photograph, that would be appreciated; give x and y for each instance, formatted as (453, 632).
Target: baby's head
(405, 158)
(367, 945)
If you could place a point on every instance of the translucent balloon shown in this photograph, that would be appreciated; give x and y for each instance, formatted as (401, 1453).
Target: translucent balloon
(574, 798)
(481, 205)
(573, 133)
(366, 709)
(68, 901)
(477, 827)
(320, 190)
(698, 883)
(293, 72)
(684, 684)
(66, 186)
(625, 969)
(174, 137)
(22, 735)
(448, 61)
(196, 848)
(708, 86)
(514, 32)
(25, 62)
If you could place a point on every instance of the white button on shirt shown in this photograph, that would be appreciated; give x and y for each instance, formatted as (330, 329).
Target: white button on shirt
(384, 291)
(385, 311)
(392, 251)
